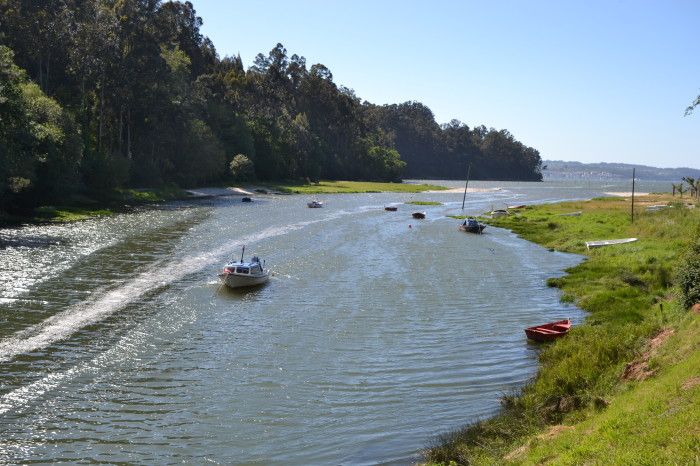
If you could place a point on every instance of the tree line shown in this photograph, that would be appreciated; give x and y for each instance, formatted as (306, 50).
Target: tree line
(115, 93)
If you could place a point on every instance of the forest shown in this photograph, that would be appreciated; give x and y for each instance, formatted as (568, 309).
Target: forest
(107, 94)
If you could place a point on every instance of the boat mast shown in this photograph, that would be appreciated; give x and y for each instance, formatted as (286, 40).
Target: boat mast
(633, 195)
(242, 253)
(466, 185)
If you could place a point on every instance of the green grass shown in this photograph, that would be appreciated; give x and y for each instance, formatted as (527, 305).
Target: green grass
(331, 187)
(80, 207)
(424, 203)
(650, 422)
(629, 293)
(67, 213)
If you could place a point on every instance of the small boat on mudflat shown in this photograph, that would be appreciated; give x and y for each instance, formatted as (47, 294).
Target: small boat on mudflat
(391, 208)
(418, 214)
(608, 242)
(247, 199)
(550, 331)
(315, 204)
(472, 225)
(499, 213)
(239, 273)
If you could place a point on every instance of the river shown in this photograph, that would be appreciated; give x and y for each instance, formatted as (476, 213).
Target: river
(375, 333)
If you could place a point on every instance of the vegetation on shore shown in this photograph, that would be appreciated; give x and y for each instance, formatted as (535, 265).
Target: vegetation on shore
(623, 387)
(102, 95)
(82, 207)
(334, 187)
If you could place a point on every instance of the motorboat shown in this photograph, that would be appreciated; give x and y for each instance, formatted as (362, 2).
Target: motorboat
(418, 214)
(472, 225)
(241, 273)
(550, 331)
(499, 213)
(315, 204)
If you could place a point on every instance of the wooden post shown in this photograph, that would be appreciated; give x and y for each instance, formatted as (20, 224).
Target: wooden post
(633, 195)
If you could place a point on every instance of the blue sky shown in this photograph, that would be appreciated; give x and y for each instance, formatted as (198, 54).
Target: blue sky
(587, 81)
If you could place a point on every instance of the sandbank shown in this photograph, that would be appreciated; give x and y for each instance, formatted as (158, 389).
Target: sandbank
(626, 194)
(469, 190)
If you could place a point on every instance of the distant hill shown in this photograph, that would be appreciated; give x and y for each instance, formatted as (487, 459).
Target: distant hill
(557, 169)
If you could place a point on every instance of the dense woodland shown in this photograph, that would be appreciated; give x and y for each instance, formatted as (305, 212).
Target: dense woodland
(125, 93)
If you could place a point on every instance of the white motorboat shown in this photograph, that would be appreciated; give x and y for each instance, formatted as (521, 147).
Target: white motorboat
(241, 273)
(315, 204)
(499, 213)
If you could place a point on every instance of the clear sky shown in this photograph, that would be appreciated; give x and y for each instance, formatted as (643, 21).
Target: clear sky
(586, 80)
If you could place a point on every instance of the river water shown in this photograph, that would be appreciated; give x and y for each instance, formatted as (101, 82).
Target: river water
(375, 333)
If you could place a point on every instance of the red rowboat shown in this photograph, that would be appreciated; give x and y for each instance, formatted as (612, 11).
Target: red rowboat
(550, 331)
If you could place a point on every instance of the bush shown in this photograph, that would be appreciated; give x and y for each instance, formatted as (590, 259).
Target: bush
(688, 276)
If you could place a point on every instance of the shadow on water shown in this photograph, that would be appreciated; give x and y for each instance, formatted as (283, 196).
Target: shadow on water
(30, 242)
(242, 292)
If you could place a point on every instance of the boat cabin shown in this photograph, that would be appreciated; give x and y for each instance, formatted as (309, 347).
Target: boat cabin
(244, 268)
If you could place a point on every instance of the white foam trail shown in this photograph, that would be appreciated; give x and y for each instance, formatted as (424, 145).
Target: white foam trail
(62, 325)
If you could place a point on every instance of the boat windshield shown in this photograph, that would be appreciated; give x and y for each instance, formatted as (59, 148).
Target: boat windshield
(242, 270)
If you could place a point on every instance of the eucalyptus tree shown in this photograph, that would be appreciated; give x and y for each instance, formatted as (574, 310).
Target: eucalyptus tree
(13, 130)
(177, 24)
(93, 50)
(416, 135)
(39, 141)
(459, 143)
(37, 31)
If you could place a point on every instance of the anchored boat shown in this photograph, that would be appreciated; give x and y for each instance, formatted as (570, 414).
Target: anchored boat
(472, 225)
(240, 273)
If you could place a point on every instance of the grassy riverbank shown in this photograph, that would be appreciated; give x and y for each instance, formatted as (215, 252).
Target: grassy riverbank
(334, 187)
(623, 388)
(84, 207)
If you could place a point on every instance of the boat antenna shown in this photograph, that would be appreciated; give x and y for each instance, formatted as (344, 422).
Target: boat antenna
(242, 253)
(465, 186)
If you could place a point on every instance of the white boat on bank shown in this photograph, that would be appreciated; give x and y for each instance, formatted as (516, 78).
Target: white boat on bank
(608, 242)
(315, 204)
(498, 213)
(240, 273)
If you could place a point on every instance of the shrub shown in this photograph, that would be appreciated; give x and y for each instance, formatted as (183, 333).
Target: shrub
(688, 275)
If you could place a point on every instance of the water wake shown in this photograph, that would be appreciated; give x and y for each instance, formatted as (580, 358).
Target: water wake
(62, 325)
